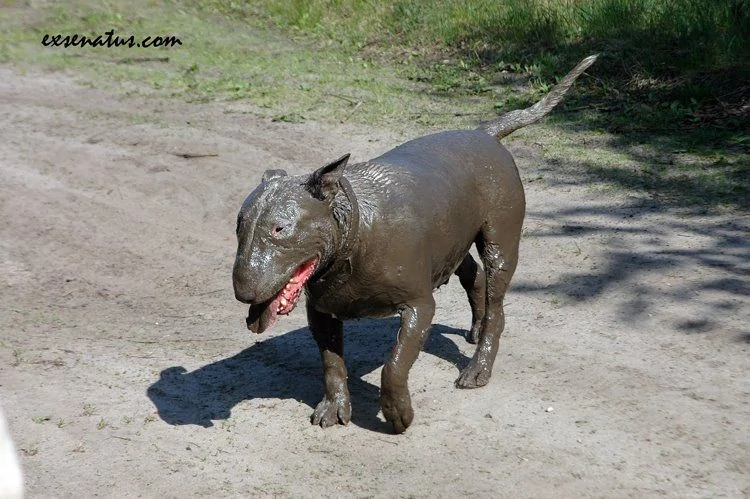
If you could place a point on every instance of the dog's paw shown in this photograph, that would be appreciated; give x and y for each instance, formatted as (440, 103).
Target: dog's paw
(330, 412)
(397, 411)
(472, 336)
(473, 376)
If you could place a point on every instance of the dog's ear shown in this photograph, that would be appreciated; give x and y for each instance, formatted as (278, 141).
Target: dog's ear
(323, 184)
(272, 174)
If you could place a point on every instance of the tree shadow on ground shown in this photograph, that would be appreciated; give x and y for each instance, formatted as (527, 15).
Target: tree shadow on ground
(289, 367)
(674, 76)
(647, 139)
(673, 69)
(671, 172)
(648, 262)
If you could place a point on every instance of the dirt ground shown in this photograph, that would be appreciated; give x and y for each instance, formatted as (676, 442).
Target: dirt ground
(126, 368)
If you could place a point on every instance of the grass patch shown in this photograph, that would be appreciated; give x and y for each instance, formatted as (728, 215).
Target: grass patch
(698, 177)
(673, 74)
(673, 78)
(276, 75)
(665, 64)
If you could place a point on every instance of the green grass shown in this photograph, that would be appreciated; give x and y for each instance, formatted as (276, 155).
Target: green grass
(683, 58)
(674, 73)
(700, 177)
(680, 34)
(672, 79)
(282, 77)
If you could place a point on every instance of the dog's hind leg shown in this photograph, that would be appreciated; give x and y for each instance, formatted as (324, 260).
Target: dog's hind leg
(474, 282)
(498, 246)
(328, 332)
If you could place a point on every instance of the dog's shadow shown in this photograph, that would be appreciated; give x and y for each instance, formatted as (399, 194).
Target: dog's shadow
(289, 366)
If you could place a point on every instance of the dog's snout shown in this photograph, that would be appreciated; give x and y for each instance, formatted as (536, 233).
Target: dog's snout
(243, 295)
(241, 290)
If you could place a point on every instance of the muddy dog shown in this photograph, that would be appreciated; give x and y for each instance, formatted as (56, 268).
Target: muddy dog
(375, 239)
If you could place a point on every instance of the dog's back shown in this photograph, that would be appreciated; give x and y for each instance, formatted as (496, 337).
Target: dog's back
(434, 194)
(450, 166)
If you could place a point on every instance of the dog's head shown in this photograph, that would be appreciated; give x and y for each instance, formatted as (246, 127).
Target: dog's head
(285, 232)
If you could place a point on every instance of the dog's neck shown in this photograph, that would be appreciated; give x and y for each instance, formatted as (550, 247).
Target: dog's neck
(347, 216)
(349, 221)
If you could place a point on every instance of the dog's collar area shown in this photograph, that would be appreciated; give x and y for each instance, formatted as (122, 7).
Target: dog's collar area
(353, 229)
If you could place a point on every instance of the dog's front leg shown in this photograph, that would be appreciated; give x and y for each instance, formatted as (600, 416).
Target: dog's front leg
(328, 332)
(395, 401)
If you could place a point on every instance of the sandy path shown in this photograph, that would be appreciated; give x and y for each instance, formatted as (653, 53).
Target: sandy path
(126, 370)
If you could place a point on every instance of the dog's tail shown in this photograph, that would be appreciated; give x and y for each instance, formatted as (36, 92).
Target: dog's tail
(512, 121)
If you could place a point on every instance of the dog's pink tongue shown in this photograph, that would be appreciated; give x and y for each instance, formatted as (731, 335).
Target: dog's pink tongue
(261, 317)
(259, 321)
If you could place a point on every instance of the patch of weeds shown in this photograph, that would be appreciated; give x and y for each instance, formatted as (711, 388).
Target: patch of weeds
(449, 77)
(17, 357)
(528, 233)
(740, 140)
(102, 424)
(88, 410)
(80, 447)
(58, 362)
(30, 451)
(426, 120)
(41, 419)
(61, 423)
(127, 419)
(555, 301)
(149, 419)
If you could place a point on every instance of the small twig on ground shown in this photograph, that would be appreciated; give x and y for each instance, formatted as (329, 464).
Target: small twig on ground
(452, 113)
(131, 60)
(602, 109)
(191, 155)
(371, 42)
(121, 438)
(579, 108)
(388, 441)
(209, 292)
(350, 100)
(352, 112)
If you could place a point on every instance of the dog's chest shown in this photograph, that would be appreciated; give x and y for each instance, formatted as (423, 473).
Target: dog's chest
(349, 296)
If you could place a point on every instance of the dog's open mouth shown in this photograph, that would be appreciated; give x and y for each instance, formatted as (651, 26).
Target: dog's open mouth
(262, 316)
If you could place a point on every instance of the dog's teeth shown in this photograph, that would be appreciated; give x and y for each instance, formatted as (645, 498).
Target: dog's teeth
(288, 286)
(293, 280)
(283, 302)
